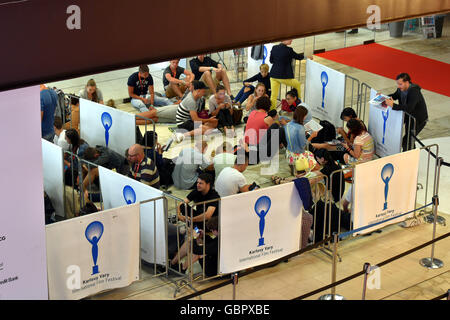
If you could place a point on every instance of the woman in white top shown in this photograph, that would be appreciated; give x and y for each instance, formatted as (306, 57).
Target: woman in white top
(91, 92)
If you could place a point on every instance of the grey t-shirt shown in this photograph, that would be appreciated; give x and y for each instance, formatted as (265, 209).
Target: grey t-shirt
(185, 172)
(213, 103)
(188, 104)
(110, 159)
(83, 94)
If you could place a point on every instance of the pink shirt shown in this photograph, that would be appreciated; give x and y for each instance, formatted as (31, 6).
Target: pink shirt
(256, 127)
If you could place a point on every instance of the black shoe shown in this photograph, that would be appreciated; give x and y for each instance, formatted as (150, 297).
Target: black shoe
(353, 31)
(232, 98)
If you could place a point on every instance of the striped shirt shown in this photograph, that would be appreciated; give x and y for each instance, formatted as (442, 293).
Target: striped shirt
(365, 140)
(145, 172)
(188, 104)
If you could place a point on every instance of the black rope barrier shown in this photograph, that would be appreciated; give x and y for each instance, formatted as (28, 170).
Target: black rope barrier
(444, 296)
(255, 269)
(434, 156)
(401, 255)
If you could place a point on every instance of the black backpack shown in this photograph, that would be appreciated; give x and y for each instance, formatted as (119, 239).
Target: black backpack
(62, 105)
(327, 133)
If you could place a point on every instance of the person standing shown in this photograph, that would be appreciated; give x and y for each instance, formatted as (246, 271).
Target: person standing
(410, 100)
(49, 101)
(282, 73)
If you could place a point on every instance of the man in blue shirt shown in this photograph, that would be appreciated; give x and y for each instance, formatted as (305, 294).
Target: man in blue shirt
(141, 91)
(49, 100)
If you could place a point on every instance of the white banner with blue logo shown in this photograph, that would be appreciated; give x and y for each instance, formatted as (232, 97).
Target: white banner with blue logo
(386, 128)
(53, 166)
(325, 92)
(258, 227)
(105, 126)
(118, 190)
(385, 188)
(92, 253)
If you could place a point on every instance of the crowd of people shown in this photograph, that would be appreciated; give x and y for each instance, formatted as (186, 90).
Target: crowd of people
(221, 175)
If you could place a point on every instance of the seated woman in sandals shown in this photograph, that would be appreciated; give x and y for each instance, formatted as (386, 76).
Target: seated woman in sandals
(296, 143)
(362, 149)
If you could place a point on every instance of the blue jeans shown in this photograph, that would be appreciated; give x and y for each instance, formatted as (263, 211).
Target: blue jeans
(242, 96)
(142, 107)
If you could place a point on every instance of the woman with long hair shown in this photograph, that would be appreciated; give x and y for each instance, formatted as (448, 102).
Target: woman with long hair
(91, 92)
(260, 91)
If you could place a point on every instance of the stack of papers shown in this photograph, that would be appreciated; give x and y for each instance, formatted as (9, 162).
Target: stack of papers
(379, 99)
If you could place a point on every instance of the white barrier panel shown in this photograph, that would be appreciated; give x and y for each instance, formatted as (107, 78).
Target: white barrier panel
(385, 188)
(258, 227)
(118, 190)
(386, 128)
(92, 253)
(53, 164)
(105, 126)
(325, 92)
(23, 271)
(253, 65)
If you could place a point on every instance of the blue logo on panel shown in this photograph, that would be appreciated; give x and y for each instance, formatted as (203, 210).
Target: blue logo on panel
(93, 234)
(385, 117)
(324, 80)
(386, 175)
(129, 195)
(262, 206)
(107, 123)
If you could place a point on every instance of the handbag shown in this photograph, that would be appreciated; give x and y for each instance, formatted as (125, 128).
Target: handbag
(301, 164)
(237, 115)
(203, 114)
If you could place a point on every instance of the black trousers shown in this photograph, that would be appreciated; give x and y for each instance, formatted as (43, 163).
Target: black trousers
(411, 144)
(224, 117)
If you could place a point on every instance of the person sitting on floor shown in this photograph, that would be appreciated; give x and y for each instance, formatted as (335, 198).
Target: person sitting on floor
(346, 115)
(260, 91)
(154, 151)
(362, 149)
(261, 126)
(223, 158)
(91, 92)
(188, 164)
(248, 88)
(141, 91)
(187, 114)
(204, 67)
(204, 191)
(205, 246)
(173, 86)
(220, 107)
(231, 180)
(60, 134)
(143, 169)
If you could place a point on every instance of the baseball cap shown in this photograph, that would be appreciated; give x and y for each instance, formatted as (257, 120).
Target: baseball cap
(199, 85)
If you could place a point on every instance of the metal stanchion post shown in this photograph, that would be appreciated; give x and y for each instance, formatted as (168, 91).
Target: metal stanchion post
(333, 295)
(432, 216)
(366, 269)
(234, 276)
(432, 262)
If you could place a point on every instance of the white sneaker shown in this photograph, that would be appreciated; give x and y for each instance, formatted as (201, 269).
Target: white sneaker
(178, 137)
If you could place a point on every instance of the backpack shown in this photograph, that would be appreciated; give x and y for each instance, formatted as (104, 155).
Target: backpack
(62, 109)
(327, 133)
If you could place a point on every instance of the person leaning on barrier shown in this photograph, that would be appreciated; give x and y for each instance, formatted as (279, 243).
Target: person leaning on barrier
(411, 100)
(210, 249)
(142, 169)
(204, 192)
(105, 157)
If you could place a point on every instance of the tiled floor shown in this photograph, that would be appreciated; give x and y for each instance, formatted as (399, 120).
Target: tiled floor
(312, 270)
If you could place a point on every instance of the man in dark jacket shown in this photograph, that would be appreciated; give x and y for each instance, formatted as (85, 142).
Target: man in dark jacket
(282, 73)
(411, 101)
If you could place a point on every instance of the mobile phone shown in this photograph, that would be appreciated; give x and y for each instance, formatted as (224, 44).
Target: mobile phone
(196, 229)
(168, 145)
